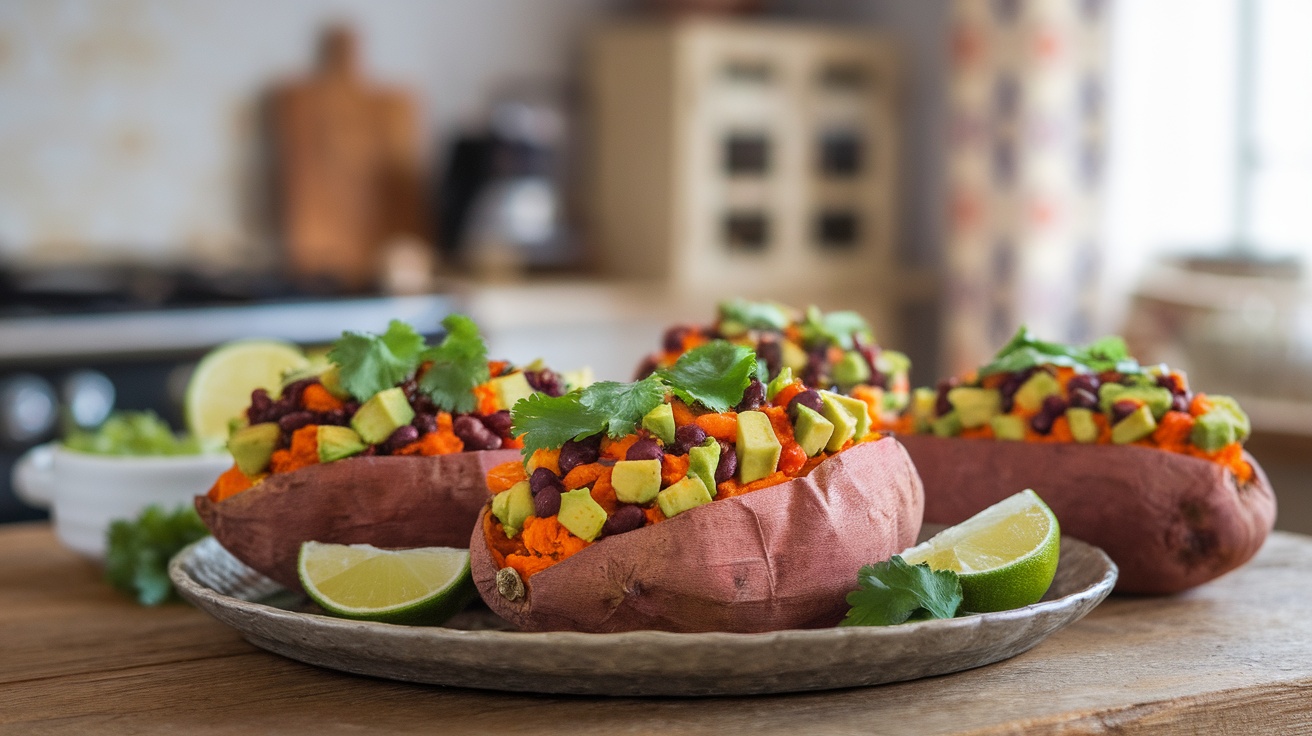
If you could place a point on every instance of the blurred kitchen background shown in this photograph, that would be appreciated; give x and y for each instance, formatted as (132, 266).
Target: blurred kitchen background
(580, 174)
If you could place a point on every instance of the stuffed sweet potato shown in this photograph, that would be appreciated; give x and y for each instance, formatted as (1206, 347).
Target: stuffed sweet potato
(389, 445)
(1128, 457)
(695, 500)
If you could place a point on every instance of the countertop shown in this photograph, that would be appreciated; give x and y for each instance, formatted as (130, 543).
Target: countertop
(1231, 657)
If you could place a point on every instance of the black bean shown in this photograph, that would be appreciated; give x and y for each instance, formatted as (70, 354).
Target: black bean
(423, 404)
(728, 463)
(625, 519)
(400, 438)
(546, 503)
(1054, 406)
(1179, 402)
(280, 409)
(545, 381)
(574, 454)
(1084, 399)
(258, 411)
(769, 352)
(499, 422)
(646, 448)
(543, 478)
(646, 368)
(473, 434)
(350, 406)
(425, 423)
(753, 396)
(1011, 384)
(335, 417)
(295, 420)
(685, 438)
(672, 340)
(1084, 381)
(1123, 409)
(942, 406)
(877, 379)
(817, 369)
(293, 391)
(809, 398)
(1042, 422)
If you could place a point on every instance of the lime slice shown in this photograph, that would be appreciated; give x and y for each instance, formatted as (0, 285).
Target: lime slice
(1006, 554)
(427, 585)
(220, 387)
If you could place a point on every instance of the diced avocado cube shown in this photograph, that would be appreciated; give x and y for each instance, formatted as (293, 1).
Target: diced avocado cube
(1213, 430)
(811, 430)
(851, 369)
(688, 493)
(511, 388)
(636, 481)
(975, 406)
(1135, 426)
(581, 515)
(703, 461)
(1008, 427)
(779, 383)
(252, 446)
(842, 419)
(892, 363)
(794, 357)
(731, 328)
(336, 443)
(859, 410)
(1029, 397)
(1083, 426)
(948, 425)
(575, 380)
(758, 448)
(660, 422)
(894, 402)
(237, 423)
(1156, 398)
(1230, 407)
(924, 404)
(512, 506)
(380, 416)
(332, 382)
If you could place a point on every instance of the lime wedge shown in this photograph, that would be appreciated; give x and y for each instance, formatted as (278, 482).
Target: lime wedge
(220, 387)
(427, 585)
(1006, 554)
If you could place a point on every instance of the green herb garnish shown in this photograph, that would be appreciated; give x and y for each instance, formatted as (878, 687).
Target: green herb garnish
(132, 433)
(714, 375)
(839, 328)
(371, 363)
(459, 365)
(1025, 351)
(623, 404)
(893, 592)
(756, 315)
(137, 560)
(547, 422)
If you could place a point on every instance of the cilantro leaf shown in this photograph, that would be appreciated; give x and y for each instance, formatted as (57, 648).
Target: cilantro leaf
(1024, 351)
(547, 422)
(893, 592)
(370, 363)
(756, 315)
(838, 328)
(459, 366)
(138, 554)
(714, 374)
(624, 404)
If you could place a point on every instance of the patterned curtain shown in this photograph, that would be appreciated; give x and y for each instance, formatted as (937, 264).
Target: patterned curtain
(1024, 160)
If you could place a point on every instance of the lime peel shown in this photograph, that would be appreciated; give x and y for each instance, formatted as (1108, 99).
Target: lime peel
(425, 585)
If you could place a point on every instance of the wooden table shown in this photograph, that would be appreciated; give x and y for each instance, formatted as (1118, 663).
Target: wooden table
(1233, 657)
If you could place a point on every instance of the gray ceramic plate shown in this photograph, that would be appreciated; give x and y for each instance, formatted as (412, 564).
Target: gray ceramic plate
(475, 650)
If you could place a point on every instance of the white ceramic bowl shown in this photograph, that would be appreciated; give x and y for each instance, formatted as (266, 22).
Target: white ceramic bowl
(85, 492)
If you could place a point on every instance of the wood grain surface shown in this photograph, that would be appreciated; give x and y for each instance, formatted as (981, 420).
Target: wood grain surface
(1231, 657)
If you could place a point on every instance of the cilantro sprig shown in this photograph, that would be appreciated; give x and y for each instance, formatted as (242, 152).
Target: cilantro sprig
(137, 558)
(714, 375)
(371, 363)
(459, 365)
(756, 315)
(1025, 351)
(894, 592)
(839, 328)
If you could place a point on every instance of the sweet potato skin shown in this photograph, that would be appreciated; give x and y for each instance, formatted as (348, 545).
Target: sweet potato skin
(430, 501)
(778, 558)
(1169, 521)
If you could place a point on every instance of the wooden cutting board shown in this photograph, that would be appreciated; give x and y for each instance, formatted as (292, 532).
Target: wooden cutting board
(348, 169)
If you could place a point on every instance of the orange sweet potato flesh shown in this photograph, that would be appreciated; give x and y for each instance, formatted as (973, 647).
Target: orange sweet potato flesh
(430, 501)
(1169, 521)
(783, 557)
